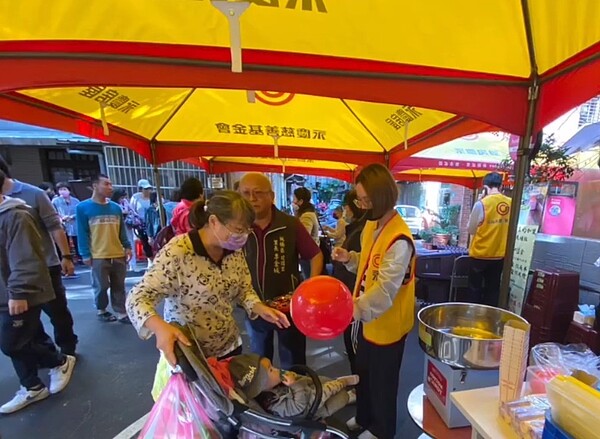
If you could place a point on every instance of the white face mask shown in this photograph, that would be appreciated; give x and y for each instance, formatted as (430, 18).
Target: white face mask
(295, 207)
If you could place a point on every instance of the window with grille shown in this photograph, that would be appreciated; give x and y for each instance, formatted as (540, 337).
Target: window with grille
(126, 167)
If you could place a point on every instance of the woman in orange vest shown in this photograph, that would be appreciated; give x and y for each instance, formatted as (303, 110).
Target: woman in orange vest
(384, 302)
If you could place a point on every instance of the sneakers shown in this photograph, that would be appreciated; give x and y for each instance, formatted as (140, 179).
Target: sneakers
(61, 375)
(59, 378)
(367, 435)
(352, 396)
(352, 424)
(23, 398)
(125, 320)
(106, 317)
(350, 380)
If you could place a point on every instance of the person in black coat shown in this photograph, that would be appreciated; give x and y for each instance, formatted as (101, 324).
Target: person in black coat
(356, 219)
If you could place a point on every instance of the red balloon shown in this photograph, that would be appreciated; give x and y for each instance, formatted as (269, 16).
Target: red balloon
(321, 307)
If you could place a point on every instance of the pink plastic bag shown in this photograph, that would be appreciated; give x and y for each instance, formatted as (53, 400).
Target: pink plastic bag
(178, 414)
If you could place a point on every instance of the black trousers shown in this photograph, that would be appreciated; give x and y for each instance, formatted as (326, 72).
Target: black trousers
(376, 393)
(60, 316)
(484, 281)
(23, 340)
(350, 349)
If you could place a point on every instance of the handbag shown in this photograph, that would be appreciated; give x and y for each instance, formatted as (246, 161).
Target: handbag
(280, 303)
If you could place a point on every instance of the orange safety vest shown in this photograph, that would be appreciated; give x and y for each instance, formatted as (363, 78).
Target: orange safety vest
(489, 241)
(399, 319)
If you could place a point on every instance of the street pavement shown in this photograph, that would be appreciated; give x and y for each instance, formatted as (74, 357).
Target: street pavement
(110, 388)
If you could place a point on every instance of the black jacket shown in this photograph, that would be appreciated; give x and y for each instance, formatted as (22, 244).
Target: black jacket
(280, 267)
(351, 243)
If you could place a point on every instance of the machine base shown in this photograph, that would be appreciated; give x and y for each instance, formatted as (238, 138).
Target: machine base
(440, 380)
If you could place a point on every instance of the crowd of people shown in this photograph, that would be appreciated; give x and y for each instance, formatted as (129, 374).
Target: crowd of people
(235, 248)
(242, 250)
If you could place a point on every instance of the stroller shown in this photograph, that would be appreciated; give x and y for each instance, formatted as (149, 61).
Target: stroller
(245, 419)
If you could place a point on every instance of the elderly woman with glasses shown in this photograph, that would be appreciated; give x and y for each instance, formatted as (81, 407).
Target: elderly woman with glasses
(384, 301)
(201, 276)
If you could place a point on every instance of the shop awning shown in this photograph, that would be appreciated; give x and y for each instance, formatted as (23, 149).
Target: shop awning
(478, 61)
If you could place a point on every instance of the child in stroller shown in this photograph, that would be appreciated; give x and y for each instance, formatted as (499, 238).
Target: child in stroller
(288, 394)
(236, 414)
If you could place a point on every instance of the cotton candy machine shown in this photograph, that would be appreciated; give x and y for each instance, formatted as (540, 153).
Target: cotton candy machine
(463, 343)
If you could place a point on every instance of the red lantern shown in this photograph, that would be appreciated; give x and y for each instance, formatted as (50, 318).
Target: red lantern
(322, 307)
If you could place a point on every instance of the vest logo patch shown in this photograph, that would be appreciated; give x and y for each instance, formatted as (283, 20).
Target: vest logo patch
(503, 208)
(376, 260)
(375, 275)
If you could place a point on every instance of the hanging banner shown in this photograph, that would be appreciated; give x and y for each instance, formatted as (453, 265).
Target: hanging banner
(530, 219)
(519, 272)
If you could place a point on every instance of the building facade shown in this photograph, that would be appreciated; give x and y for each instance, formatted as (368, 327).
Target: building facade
(39, 155)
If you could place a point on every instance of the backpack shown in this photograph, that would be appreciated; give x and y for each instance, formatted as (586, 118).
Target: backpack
(165, 235)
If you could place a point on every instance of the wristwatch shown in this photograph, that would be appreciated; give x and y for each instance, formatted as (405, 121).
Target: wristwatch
(68, 257)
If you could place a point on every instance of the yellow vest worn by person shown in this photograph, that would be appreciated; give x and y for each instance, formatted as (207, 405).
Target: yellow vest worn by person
(489, 241)
(398, 320)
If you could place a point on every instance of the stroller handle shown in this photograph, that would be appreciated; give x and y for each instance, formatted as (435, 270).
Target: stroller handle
(184, 364)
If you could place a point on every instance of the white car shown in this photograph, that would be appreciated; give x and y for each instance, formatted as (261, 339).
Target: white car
(413, 217)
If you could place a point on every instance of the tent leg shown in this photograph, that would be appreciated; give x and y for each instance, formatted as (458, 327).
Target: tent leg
(158, 182)
(521, 167)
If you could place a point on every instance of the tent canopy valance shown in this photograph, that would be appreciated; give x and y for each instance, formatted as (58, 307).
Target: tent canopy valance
(473, 59)
(464, 177)
(321, 168)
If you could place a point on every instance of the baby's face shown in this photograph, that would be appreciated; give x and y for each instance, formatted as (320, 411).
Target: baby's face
(273, 373)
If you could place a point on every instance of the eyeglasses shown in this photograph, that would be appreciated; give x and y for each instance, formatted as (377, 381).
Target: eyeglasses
(239, 231)
(362, 202)
(255, 194)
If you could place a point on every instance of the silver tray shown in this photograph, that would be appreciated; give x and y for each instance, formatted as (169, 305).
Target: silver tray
(464, 335)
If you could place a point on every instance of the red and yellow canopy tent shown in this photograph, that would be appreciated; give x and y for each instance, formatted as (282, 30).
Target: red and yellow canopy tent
(466, 57)
(463, 161)
(513, 65)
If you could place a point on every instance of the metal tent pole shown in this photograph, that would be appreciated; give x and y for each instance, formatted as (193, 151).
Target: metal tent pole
(158, 183)
(522, 165)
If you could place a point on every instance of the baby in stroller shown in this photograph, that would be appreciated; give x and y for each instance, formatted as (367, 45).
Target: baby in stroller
(287, 394)
(229, 387)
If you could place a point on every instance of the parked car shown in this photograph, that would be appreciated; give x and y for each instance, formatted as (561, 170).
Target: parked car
(413, 217)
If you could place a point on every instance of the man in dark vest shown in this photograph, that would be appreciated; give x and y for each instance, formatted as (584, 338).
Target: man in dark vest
(274, 249)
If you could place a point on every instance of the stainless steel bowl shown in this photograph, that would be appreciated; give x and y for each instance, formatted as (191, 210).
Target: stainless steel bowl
(464, 335)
